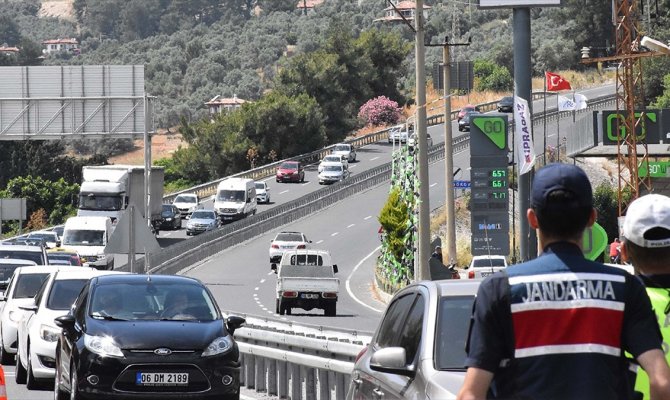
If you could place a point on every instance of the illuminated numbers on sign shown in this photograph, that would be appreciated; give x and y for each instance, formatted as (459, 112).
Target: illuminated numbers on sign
(498, 184)
(499, 195)
(498, 173)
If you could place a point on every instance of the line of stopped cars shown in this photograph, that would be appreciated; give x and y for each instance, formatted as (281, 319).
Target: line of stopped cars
(91, 334)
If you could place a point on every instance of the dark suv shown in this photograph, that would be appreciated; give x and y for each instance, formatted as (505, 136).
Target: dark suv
(291, 171)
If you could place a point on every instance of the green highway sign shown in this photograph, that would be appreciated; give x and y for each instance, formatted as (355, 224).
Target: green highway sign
(594, 241)
(494, 129)
(657, 169)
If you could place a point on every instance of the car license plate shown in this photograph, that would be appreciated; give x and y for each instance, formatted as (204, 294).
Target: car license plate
(485, 274)
(161, 378)
(309, 296)
(227, 217)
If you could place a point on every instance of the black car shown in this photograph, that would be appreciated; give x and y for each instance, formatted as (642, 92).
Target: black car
(134, 336)
(506, 104)
(464, 123)
(170, 217)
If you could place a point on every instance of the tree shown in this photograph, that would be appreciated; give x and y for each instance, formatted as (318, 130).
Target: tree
(380, 111)
(58, 196)
(269, 6)
(387, 51)
(394, 218)
(9, 31)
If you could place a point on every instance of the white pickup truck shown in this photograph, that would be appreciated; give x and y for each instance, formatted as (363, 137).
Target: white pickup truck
(306, 279)
(483, 266)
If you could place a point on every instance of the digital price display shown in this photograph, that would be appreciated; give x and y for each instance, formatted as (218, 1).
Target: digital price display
(490, 189)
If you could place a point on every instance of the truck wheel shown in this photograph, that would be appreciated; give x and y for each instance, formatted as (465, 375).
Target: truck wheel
(330, 310)
(281, 307)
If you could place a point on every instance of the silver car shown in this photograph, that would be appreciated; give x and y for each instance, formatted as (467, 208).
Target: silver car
(202, 221)
(418, 350)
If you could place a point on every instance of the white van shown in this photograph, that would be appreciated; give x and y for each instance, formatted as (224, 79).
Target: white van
(235, 199)
(88, 236)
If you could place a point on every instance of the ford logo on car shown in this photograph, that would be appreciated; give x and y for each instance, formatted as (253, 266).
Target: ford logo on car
(162, 351)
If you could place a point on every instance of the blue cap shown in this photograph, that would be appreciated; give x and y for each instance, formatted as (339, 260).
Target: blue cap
(565, 177)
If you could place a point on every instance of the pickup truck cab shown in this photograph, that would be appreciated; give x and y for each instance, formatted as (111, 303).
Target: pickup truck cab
(306, 279)
(483, 266)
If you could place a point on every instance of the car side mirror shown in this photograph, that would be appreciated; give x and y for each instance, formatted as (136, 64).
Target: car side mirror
(65, 321)
(392, 360)
(32, 308)
(234, 322)
(273, 267)
(3, 298)
(335, 270)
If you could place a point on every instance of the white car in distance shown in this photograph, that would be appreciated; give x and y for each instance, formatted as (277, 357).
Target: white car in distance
(37, 332)
(483, 266)
(285, 241)
(262, 192)
(333, 172)
(345, 149)
(187, 203)
(333, 158)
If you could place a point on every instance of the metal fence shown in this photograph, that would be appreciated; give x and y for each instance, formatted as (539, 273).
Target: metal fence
(298, 361)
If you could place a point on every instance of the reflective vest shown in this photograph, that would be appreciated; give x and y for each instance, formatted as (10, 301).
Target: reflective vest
(659, 300)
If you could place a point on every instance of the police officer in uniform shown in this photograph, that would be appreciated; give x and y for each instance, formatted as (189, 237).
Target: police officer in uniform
(555, 327)
(646, 232)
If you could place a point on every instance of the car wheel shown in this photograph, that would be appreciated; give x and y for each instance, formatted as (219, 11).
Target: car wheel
(20, 372)
(5, 358)
(302, 179)
(330, 310)
(31, 382)
(59, 393)
(277, 307)
(282, 309)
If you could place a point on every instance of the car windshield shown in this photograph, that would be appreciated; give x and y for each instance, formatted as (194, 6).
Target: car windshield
(184, 199)
(236, 196)
(452, 330)
(203, 215)
(100, 202)
(47, 236)
(76, 237)
(27, 285)
(67, 258)
(337, 168)
(489, 262)
(289, 165)
(342, 147)
(289, 237)
(64, 292)
(167, 208)
(6, 270)
(34, 256)
(152, 301)
(332, 159)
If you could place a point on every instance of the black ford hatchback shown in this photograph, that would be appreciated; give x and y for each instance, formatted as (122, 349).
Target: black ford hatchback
(146, 337)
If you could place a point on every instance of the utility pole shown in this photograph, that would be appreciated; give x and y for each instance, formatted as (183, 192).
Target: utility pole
(448, 150)
(423, 271)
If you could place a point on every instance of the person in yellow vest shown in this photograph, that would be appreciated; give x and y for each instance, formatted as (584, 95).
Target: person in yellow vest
(646, 245)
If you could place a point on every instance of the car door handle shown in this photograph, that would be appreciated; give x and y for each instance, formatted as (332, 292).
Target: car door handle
(357, 381)
(377, 394)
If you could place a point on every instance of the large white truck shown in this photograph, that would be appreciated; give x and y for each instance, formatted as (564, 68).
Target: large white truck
(89, 236)
(306, 279)
(107, 190)
(235, 199)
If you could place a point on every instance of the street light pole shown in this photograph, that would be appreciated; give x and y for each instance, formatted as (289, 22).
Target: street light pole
(422, 269)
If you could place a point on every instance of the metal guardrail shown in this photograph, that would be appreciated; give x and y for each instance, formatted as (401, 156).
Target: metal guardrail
(288, 359)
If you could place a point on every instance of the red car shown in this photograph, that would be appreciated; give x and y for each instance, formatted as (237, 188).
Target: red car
(290, 171)
(465, 109)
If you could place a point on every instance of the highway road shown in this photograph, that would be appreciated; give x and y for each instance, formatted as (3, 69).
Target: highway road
(240, 277)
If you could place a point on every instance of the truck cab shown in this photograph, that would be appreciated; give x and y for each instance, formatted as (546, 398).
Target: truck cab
(306, 279)
(235, 199)
(88, 236)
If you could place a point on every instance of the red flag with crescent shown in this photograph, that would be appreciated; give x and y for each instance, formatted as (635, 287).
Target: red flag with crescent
(556, 82)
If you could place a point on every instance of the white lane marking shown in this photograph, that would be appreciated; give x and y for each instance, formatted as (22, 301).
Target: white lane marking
(351, 294)
(434, 184)
(306, 183)
(264, 308)
(372, 159)
(256, 288)
(271, 272)
(268, 179)
(351, 225)
(367, 218)
(353, 166)
(255, 294)
(335, 234)
(320, 241)
(262, 280)
(285, 191)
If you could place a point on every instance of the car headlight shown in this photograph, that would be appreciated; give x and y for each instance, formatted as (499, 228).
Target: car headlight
(168, 219)
(295, 172)
(192, 209)
(102, 345)
(49, 333)
(15, 316)
(220, 345)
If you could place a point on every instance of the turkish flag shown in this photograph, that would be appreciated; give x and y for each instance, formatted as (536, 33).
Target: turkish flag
(555, 82)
